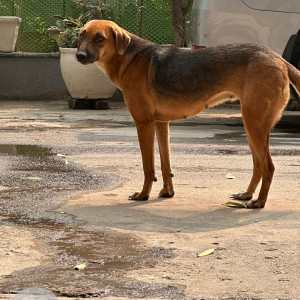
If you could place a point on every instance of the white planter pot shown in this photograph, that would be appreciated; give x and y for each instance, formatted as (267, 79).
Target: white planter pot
(9, 29)
(84, 81)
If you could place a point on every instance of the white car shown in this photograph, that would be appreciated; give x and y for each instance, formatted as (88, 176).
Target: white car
(272, 23)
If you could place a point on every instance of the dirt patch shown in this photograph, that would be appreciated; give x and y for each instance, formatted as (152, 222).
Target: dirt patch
(19, 249)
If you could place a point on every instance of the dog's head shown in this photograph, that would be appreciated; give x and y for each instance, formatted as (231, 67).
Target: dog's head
(99, 39)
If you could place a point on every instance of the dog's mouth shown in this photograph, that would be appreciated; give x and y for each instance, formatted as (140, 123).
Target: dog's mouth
(85, 57)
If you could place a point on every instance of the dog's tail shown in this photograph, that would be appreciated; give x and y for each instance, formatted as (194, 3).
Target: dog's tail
(294, 76)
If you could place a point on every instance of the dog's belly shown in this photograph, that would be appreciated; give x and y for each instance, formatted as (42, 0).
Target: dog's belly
(175, 112)
(170, 109)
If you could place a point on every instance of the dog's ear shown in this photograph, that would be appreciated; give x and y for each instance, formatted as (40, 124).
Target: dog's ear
(122, 39)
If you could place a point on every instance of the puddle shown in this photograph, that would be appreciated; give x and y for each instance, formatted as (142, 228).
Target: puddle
(108, 256)
(26, 150)
(34, 180)
(231, 134)
(227, 151)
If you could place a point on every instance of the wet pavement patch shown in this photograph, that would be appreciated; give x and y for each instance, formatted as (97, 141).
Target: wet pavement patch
(227, 151)
(36, 180)
(26, 150)
(108, 256)
(33, 181)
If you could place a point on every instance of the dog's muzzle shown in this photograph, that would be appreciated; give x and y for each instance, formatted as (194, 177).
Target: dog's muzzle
(84, 57)
(81, 56)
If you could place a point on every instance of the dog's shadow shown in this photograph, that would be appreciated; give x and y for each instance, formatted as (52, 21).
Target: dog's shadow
(141, 216)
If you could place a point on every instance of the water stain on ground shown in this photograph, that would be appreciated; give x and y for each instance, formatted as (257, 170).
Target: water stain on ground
(35, 181)
(108, 256)
(25, 150)
(198, 134)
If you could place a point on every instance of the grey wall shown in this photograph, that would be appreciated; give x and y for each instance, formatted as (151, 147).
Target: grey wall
(31, 76)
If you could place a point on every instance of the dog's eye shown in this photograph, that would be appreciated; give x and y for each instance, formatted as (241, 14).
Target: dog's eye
(99, 37)
(82, 35)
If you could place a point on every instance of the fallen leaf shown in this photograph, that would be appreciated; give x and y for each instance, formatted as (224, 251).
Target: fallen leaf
(235, 204)
(230, 176)
(34, 178)
(207, 252)
(80, 267)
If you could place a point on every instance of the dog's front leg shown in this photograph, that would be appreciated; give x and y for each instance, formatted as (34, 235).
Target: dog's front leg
(146, 134)
(163, 137)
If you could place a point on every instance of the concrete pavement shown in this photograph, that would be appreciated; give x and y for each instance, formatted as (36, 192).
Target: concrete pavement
(256, 252)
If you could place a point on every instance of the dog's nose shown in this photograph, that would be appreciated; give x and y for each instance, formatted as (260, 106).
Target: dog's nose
(81, 56)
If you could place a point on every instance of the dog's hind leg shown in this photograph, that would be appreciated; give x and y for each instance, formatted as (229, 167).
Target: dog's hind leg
(146, 135)
(262, 152)
(163, 138)
(258, 122)
(256, 176)
(263, 100)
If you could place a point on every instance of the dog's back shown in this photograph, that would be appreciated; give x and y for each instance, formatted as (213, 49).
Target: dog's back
(204, 72)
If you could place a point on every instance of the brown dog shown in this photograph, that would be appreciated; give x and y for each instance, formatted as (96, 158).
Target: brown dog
(164, 83)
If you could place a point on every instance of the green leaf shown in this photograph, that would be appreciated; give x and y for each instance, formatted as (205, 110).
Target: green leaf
(230, 176)
(235, 204)
(80, 267)
(207, 252)
(59, 17)
(34, 178)
(61, 155)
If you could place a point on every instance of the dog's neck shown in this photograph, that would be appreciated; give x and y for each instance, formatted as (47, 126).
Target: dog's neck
(137, 45)
(115, 66)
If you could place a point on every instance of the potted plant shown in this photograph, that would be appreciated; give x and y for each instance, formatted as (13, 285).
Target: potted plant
(9, 29)
(85, 82)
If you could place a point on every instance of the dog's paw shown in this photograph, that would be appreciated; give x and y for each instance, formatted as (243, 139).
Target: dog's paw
(166, 193)
(139, 196)
(254, 204)
(241, 196)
